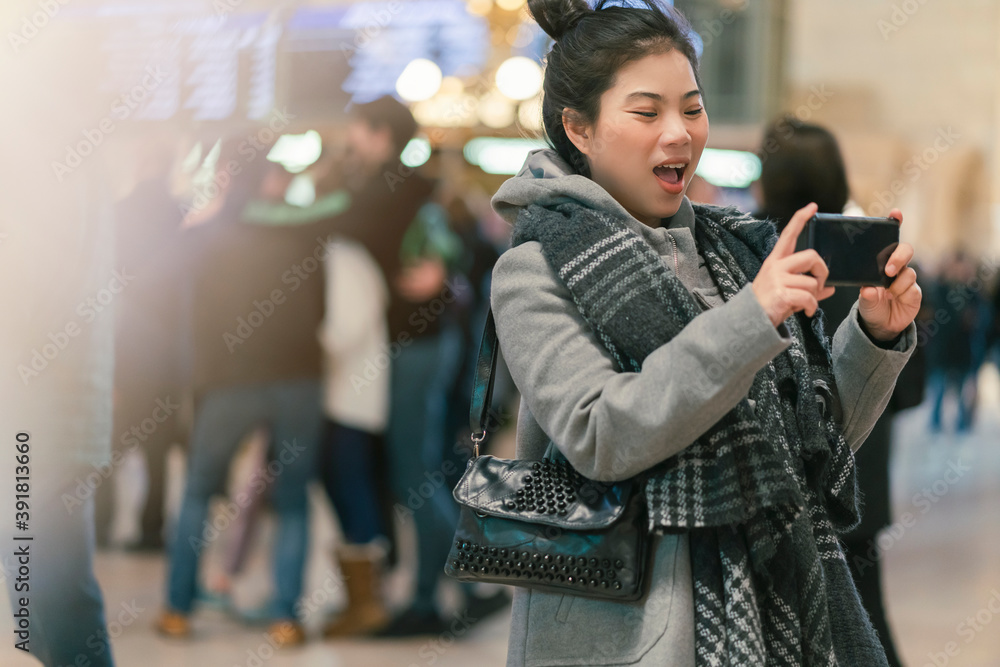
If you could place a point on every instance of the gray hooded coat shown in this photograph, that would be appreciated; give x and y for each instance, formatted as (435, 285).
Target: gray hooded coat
(572, 394)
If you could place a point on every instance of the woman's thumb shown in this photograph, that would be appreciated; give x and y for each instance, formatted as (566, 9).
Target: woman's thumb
(868, 296)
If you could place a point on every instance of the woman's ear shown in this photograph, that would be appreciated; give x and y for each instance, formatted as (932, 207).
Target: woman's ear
(578, 132)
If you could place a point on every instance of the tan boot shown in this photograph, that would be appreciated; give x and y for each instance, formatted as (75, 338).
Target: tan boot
(173, 624)
(286, 634)
(361, 567)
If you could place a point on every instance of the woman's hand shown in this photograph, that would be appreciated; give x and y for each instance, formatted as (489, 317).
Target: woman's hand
(790, 281)
(887, 311)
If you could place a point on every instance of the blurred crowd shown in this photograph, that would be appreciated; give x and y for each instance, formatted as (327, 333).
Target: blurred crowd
(331, 341)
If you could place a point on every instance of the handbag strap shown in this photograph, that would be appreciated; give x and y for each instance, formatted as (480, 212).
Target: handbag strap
(482, 382)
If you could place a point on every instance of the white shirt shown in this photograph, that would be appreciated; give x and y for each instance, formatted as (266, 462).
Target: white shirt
(355, 337)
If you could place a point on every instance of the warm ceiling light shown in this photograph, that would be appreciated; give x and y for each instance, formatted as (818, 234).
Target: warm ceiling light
(496, 111)
(479, 7)
(519, 78)
(452, 85)
(510, 5)
(419, 81)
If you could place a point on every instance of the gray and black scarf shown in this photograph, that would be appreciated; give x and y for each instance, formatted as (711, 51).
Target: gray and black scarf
(764, 493)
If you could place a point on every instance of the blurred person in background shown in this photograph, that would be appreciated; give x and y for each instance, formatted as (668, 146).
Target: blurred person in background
(356, 405)
(60, 289)
(256, 304)
(993, 335)
(149, 377)
(950, 349)
(978, 293)
(370, 198)
(802, 163)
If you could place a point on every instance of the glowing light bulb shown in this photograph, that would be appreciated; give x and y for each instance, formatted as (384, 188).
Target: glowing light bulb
(519, 78)
(496, 111)
(419, 81)
(479, 7)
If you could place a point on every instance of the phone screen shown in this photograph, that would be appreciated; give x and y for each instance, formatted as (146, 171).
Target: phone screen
(855, 250)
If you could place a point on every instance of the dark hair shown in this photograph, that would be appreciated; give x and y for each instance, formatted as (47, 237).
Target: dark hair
(592, 45)
(388, 112)
(801, 163)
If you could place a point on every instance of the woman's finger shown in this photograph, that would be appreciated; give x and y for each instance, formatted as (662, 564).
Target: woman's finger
(900, 257)
(797, 299)
(898, 215)
(802, 281)
(790, 234)
(807, 261)
(903, 282)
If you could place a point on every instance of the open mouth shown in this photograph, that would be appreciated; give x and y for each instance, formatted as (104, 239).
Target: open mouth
(672, 174)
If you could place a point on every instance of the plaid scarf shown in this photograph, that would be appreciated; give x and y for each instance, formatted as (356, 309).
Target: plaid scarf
(765, 491)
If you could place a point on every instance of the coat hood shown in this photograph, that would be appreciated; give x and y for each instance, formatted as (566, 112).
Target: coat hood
(548, 180)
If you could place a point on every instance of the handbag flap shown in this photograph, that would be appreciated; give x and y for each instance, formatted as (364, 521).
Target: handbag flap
(545, 492)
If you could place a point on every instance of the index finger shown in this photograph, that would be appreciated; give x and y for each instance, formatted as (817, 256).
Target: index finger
(790, 234)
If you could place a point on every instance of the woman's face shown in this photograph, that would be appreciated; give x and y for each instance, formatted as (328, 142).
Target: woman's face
(649, 136)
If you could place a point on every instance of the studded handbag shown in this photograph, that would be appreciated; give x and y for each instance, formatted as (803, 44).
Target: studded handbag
(541, 524)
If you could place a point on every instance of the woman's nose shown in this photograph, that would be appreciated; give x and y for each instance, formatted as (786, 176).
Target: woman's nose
(673, 131)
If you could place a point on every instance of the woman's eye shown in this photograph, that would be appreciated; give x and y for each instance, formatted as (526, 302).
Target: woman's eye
(645, 114)
(695, 112)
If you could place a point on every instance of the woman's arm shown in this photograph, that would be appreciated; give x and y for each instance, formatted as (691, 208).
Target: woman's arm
(866, 374)
(613, 425)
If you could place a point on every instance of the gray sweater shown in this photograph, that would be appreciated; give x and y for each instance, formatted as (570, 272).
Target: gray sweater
(613, 425)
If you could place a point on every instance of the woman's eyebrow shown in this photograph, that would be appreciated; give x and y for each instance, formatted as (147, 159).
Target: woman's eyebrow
(657, 97)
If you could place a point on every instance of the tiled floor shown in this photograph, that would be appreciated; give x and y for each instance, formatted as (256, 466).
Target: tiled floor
(942, 575)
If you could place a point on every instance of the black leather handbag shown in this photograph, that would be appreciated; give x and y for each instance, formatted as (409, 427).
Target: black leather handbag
(541, 524)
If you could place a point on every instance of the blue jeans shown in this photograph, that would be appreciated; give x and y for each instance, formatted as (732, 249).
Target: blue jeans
(292, 410)
(940, 381)
(421, 377)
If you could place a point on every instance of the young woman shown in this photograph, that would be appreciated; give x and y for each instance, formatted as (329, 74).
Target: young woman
(684, 343)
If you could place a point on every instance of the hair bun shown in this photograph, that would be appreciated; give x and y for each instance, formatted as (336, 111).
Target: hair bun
(557, 17)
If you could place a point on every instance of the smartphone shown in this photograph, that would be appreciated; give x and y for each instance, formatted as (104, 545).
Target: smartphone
(855, 249)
